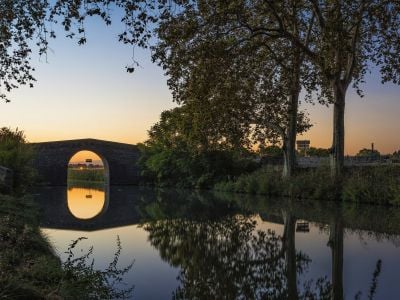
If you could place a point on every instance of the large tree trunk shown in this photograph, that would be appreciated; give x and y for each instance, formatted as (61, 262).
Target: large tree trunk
(337, 155)
(289, 149)
(336, 245)
(289, 142)
(289, 247)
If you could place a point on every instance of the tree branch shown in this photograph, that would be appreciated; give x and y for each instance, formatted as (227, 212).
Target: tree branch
(352, 60)
(317, 11)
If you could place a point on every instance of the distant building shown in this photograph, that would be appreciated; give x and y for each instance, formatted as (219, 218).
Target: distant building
(303, 145)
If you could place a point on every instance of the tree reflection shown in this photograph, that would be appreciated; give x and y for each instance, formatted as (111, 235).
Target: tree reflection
(289, 247)
(336, 244)
(230, 259)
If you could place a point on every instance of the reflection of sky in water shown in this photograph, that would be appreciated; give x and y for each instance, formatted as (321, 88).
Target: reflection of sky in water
(85, 203)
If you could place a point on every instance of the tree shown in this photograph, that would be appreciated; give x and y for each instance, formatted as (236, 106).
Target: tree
(20, 22)
(218, 52)
(320, 152)
(348, 38)
(368, 153)
(396, 154)
(271, 151)
(17, 155)
(182, 151)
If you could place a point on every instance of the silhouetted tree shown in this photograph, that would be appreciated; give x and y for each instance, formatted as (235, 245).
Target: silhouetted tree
(368, 152)
(348, 38)
(220, 53)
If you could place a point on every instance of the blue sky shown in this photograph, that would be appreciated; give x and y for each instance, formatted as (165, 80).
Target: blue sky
(84, 91)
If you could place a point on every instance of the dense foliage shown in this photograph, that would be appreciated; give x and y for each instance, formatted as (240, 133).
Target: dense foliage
(16, 154)
(180, 153)
(375, 184)
(251, 82)
(312, 151)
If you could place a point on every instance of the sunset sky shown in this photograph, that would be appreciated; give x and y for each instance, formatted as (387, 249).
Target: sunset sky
(85, 92)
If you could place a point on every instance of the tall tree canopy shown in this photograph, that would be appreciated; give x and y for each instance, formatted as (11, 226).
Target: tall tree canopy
(323, 45)
(212, 53)
(348, 38)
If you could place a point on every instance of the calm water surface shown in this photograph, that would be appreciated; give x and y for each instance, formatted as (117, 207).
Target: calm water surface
(223, 246)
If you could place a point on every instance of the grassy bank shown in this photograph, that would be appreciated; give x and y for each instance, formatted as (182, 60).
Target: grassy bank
(94, 185)
(30, 270)
(92, 175)
(377, 185)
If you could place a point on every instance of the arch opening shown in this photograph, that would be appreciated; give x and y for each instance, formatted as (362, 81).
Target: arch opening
(87, 181)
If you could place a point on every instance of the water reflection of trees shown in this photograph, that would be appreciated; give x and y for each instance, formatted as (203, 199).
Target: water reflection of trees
(230, 259)
(214, 241)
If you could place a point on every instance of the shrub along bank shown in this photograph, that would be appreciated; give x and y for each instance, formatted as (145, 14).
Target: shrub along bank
(92, 175)
(377, 184)
(16, 154)
(187, 169)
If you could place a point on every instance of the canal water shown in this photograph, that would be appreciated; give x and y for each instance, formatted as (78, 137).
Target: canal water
(192, 245)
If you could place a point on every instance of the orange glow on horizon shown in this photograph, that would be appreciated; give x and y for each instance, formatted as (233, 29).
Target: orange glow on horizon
(81, 156)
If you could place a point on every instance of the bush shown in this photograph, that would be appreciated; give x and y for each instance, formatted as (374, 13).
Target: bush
(377, 185)
(16, 154)
(93, 175)
(265, 181)
(311, 184)
(180, 167)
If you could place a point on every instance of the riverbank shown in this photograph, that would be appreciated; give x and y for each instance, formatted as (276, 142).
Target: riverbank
(30, 269)
(374, 185)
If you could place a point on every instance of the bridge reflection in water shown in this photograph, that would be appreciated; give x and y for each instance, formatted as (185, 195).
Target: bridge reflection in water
(216, 246)
(87, 203)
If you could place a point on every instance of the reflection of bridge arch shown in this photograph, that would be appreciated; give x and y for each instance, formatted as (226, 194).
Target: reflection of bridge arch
(84, 208)
(51, 160)
(121, 210)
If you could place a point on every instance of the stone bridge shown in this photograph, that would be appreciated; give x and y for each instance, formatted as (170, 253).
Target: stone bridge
(120, 160)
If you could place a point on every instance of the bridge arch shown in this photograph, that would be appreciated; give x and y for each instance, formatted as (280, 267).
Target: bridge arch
(52, 158)
(103, 160)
